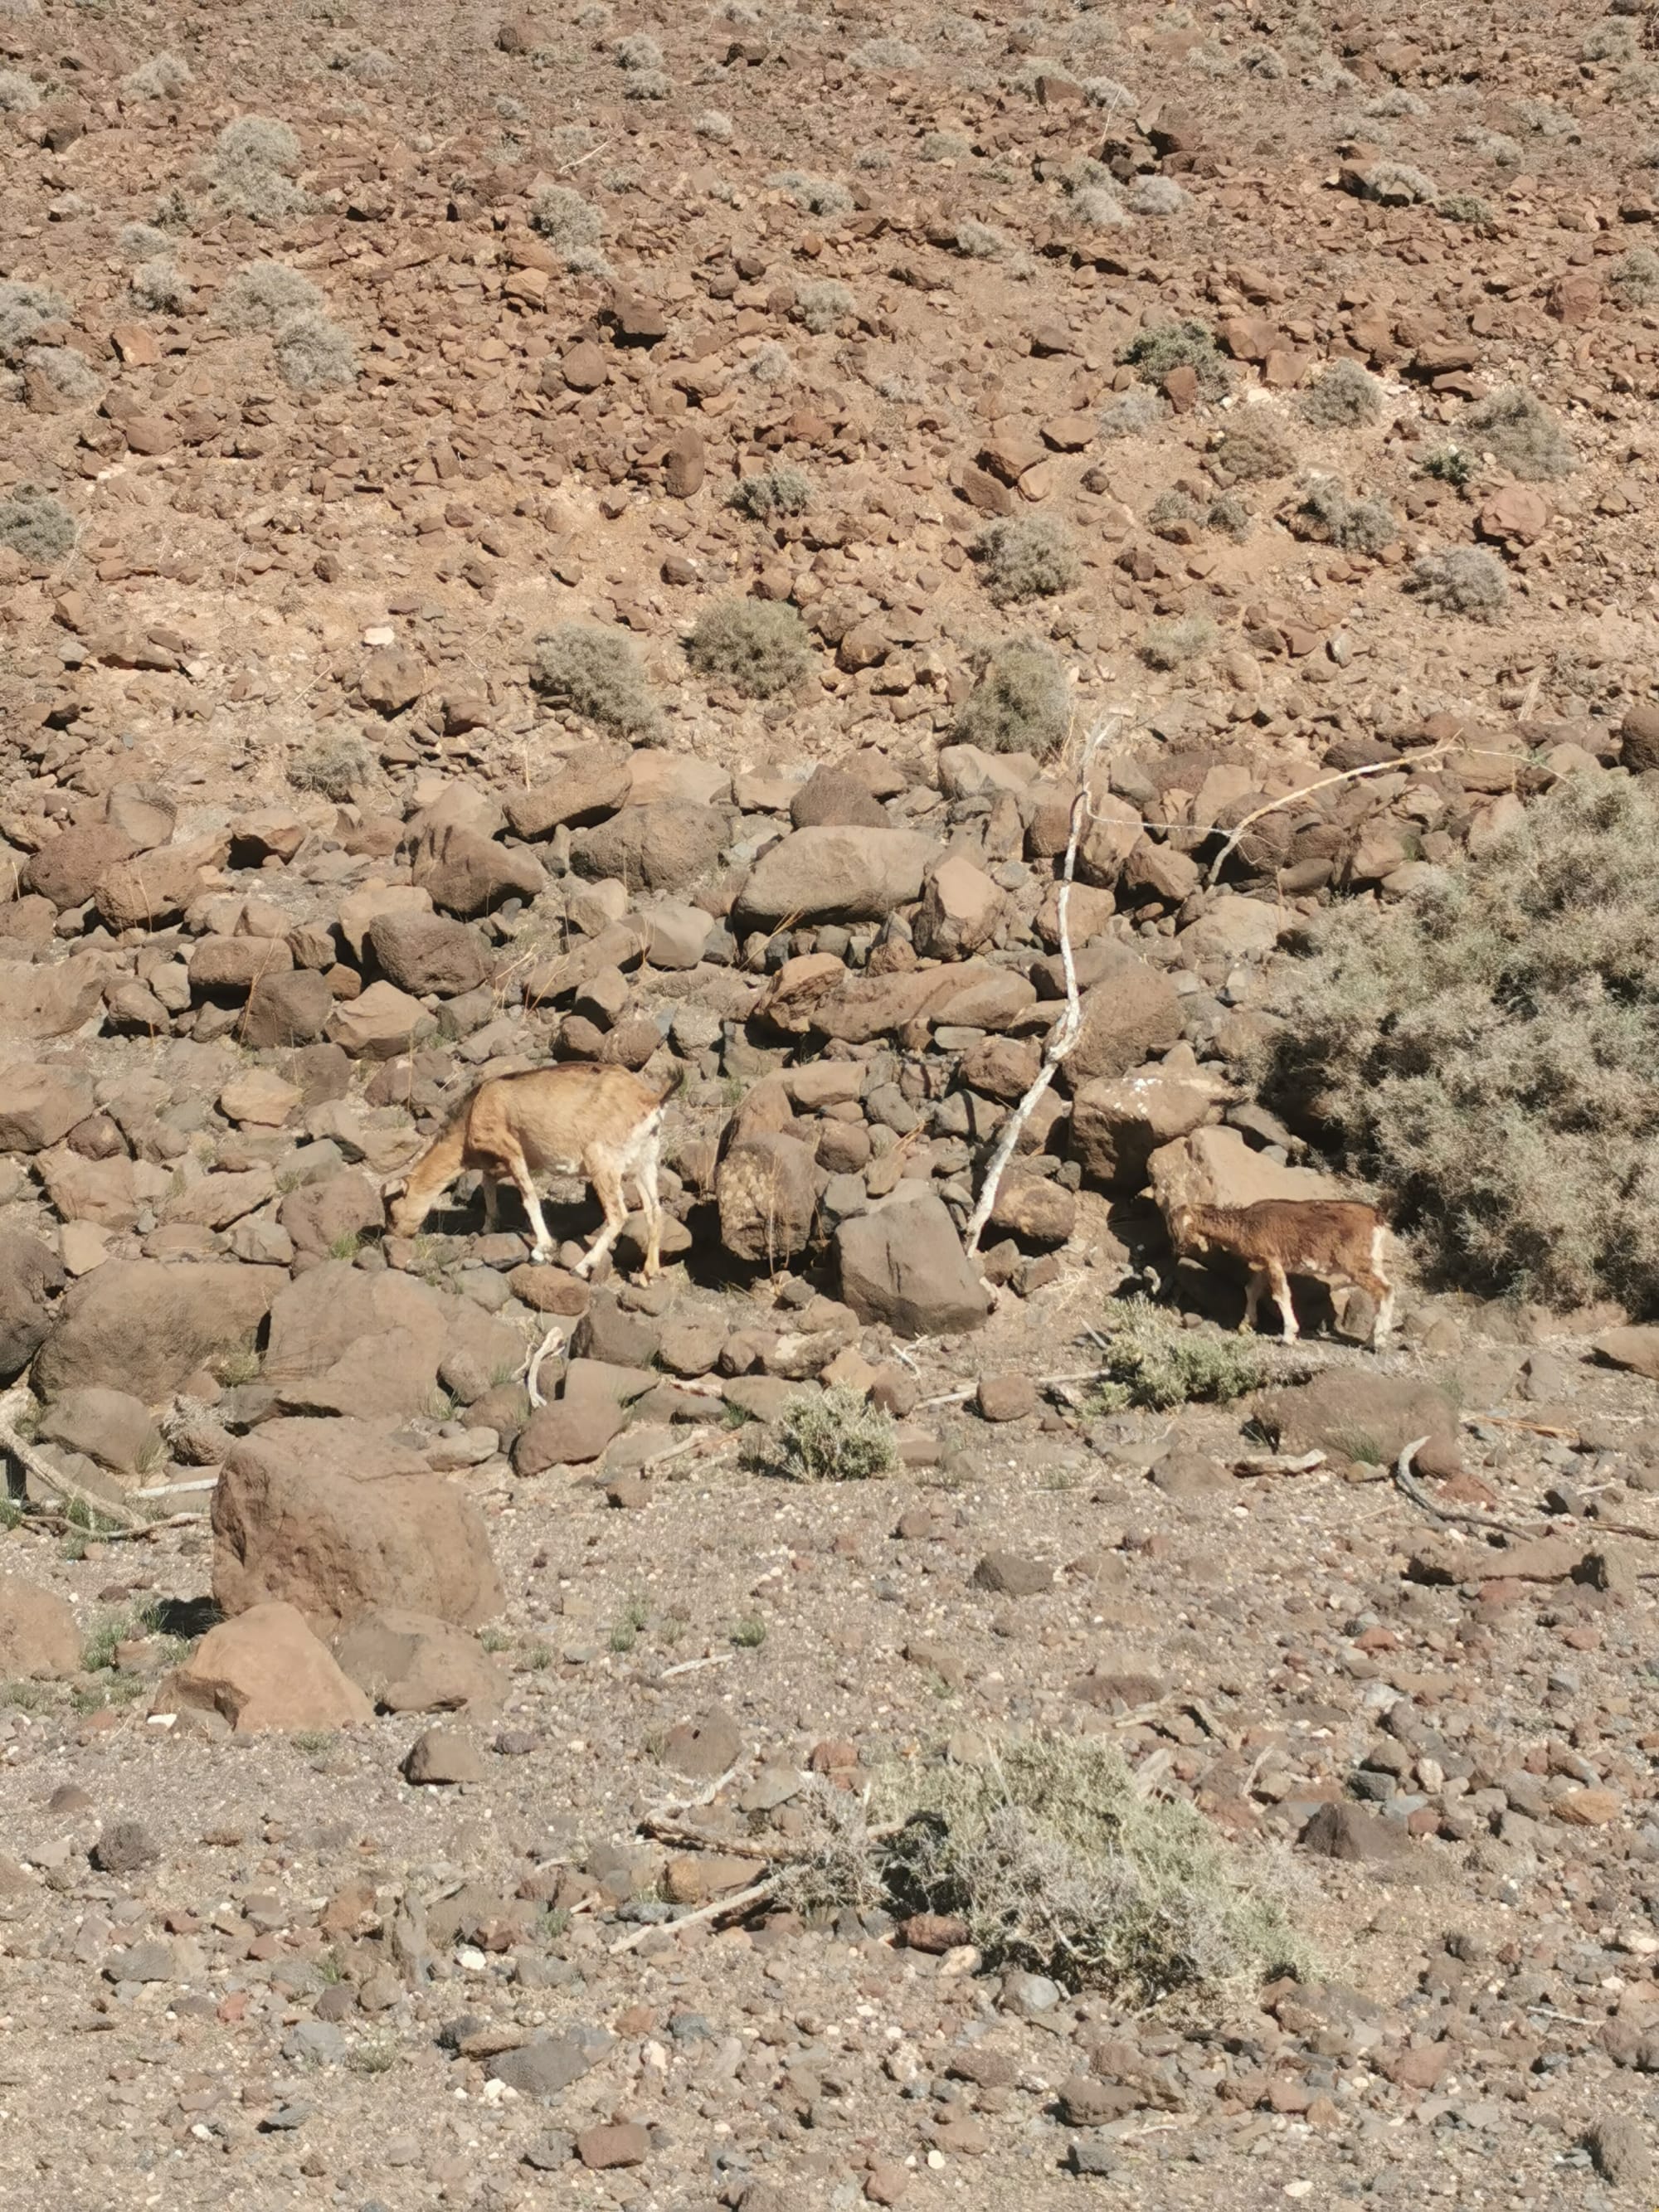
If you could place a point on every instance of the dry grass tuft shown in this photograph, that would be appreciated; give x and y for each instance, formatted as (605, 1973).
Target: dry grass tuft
(761, 646)
(1021, 702)
(1028, 557)
(597, 673)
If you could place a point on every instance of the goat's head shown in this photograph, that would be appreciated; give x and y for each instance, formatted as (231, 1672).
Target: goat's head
(403, 1214)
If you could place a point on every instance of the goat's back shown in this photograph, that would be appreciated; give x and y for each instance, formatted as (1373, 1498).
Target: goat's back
(1285, 1226)
(580, 1100)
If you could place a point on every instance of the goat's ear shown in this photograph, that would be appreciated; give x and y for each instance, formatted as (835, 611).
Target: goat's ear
(394, 1187)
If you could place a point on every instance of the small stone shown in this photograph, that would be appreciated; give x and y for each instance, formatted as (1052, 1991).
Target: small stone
(443, 1756)
(623, 2142)
(1620, 2150)
(1011, 1576)
(125, 1847)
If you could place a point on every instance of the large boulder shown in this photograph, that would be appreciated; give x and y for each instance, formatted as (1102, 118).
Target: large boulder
(156, 887)
(319, 1215)
(265, 1670)
(577, 1426)
(837, 874)
(411, 1662)
(289, 1009)
(39, 1105)
(903, 1264)
(768, 1193)
(1356, 1415)
(67, 869)
(344, 1341)
(49, 997)
(659, 848)
(31, 1276)
(142, 1326)
(381, 1023)
(1216, 1167)
(1130, 1012)
(338, 1519)
(961, 907)
(422, 952)
(591, 786)
(1119, 1121)
(467, 873)
(109, 1426)
(39, 1639)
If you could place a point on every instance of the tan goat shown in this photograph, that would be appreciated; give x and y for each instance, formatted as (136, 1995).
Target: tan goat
(1334, 1240)
(575, 1118)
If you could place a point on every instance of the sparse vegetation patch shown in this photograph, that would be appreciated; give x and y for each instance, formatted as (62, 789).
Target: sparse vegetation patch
(834, 1436)
(760, 647)
(597, 673)
(1028, 557)
(1021, 702)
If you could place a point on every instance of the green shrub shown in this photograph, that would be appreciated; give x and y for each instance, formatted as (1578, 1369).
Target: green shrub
(564, 218)
(1174, 512)
(1030, 556)
(648, 84)
(1464, 580)
(1169, 645)
(1449, 464)
(159, 78)
(761, 646)
(67, 373)
(1151, 1360)
(1229, 514)
(1634, 277)
(315, 354)
(1061, 1865)
(823, 306)
(597, 673)
(1485, 1051)
(981, 241)
(251, 157)
(1250, 448)
(1520, 434)
(1344, 397)
(265, 294)
(160, 286)
(1165, 346)
(25, 311)
(1021, 702)
(1131, 414)
(835, 1437)
(1323, 511)
(36, 527)
(1465, 207)
(1106, 92)
(814, 195)
(780, 489)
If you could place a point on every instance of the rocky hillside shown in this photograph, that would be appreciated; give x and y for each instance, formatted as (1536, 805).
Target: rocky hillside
(848, 563)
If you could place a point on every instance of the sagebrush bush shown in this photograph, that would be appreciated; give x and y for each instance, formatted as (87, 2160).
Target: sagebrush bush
(1175, 514)
(66, 372)
(1465, 207)
(1061, 1865)
(1106, 92)
(780, 489)
(335, 764)
(1485, 1049)
(597, 673)
(981, 241)
(1634, 277)
(37, 526)
(1155, 196)
(713, 122)
(1097, 206)
(159, 78)
(159, 284)
(1464, 581)
(1323, 511)
(1344, 397)
(564, 218)
(1021, 702)
(816, 195)
(265, 294)
(823, 306)
(370, 66)
(1397, 185)
(887, 54)
(1030, 556)
(1132, 414)
(761, 646)
(252, 158)
(1171, 645)
(18, 93)
(944, 146)
(648, 84)
(142, 241)
(1229, 514)
(1153, 353)
(638, 51)
(25, 311)
(1520, 434)
(835, 1437)
(313, 354)
(1253, 446)
(1151, 1360)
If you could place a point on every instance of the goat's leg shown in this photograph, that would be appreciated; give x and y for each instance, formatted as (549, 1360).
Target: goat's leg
(602, 1171)
(518, 1169)
(1381, 1291)
(1281, 1283)
(492, 1201)
(1253, 1294)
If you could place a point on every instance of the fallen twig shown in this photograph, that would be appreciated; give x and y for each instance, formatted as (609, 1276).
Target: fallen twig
(102, 1509)
(690, 1666)
(1324, 783)
(1408, 1484)
(1063, 1035)
(554, 1341)
(1279, 1463)
(745, 1900)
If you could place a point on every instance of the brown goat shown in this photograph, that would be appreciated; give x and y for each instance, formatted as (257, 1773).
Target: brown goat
(575, 1118)
(1333, 1240)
